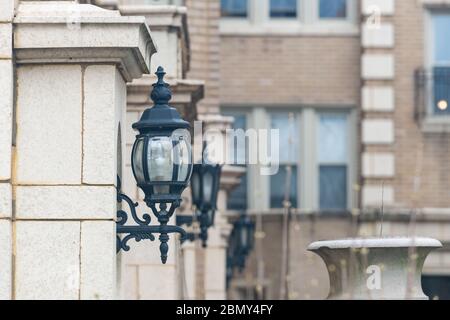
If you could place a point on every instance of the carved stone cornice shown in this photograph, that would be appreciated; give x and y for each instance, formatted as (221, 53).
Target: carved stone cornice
(81, 33)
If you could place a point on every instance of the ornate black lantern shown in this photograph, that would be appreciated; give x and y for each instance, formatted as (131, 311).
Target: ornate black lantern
(205, 185)
(241, 243)
(162, 166)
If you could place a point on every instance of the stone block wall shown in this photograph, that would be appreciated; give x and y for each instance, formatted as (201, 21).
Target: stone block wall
(6, 145)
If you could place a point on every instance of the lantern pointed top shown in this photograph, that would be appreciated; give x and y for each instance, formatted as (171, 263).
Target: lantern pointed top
(161, 93)
(161, 117)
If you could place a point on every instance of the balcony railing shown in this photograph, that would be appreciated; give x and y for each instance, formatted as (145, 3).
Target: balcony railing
(432, 92)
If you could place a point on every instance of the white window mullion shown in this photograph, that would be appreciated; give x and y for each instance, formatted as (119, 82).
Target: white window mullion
(258, 186)
(308, 171)
(352, 162)
(310, 11)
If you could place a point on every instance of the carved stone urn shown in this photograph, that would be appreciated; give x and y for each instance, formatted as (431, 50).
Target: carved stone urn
(375, 268)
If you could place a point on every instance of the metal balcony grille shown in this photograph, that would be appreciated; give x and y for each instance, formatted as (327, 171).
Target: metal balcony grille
(432, 92)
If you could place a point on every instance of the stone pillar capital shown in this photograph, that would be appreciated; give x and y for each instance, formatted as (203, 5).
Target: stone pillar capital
(82, 33)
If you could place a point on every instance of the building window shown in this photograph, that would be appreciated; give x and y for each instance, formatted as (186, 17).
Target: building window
(283, 8)
(332, 140)
(237, 198)
(441, 64)
(333, 9)
(315, 161)
(283, 185)
(234, 8)
(289, 17)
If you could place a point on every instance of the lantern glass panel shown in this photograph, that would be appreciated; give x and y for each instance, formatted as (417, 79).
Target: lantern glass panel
(195, 187)
(182, 154)
(211, 214)
(160, 162)
(208, 181)
(244, 237)
(137, 161)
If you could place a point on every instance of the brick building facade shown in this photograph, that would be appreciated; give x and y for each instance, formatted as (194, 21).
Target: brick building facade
(397, 153)
(356, 89)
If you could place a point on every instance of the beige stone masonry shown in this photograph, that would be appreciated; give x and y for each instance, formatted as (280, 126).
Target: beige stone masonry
(377, 67)
(384, 7)
(381, 36)
(5, 200)
(7, 10)
(5, 259)
(47, 263)
(104, 96)
(378, 98)
(73, 61)
(377, 195)
(98, 276)
(65, 202)
(378, 165)
(6, 111)
(47, 151)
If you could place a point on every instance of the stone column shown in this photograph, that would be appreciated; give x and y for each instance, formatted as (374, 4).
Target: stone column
(72, 65)
(377, 123)
(6, 114)
(214, 269)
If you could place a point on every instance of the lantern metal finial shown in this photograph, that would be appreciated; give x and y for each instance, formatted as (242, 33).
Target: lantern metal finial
(161, 93)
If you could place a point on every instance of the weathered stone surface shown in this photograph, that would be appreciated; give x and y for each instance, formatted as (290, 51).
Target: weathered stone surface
(377, 66)
(47, 260)
(98, 260)
(5, 259)
(7, 10)
(376, 195)
(99, 125)
(375, 268)
(49, 124)
(384, 7)
(377, 131)
(5, 40)
(378, 165)
(163, 286)
(6, 110)
(5, 200)
(378, 98)
(65, 202)
(381, 36)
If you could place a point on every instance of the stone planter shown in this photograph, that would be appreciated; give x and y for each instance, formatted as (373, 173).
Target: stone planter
(375, 268)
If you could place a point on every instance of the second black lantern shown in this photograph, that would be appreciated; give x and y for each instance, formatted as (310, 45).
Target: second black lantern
(205, 183)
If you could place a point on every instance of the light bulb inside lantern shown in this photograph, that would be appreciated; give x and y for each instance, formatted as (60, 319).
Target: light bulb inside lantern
(160, 164)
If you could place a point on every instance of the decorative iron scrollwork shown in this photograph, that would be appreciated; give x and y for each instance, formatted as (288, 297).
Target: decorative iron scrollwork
(143, 230)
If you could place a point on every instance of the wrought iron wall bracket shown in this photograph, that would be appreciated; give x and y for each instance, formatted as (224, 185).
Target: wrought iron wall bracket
(190, 236)
(188, 221)
(143, 230)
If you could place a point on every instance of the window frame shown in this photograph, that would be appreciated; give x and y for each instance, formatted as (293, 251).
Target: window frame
(347, 13)
(308, 183)
(298, 163)
(430, 62)
(258, 21)
(237, 18)
(232, 112)
(348, 160)
(297, 15)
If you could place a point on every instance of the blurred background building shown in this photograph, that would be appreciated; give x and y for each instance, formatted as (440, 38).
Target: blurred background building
(359, 91)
